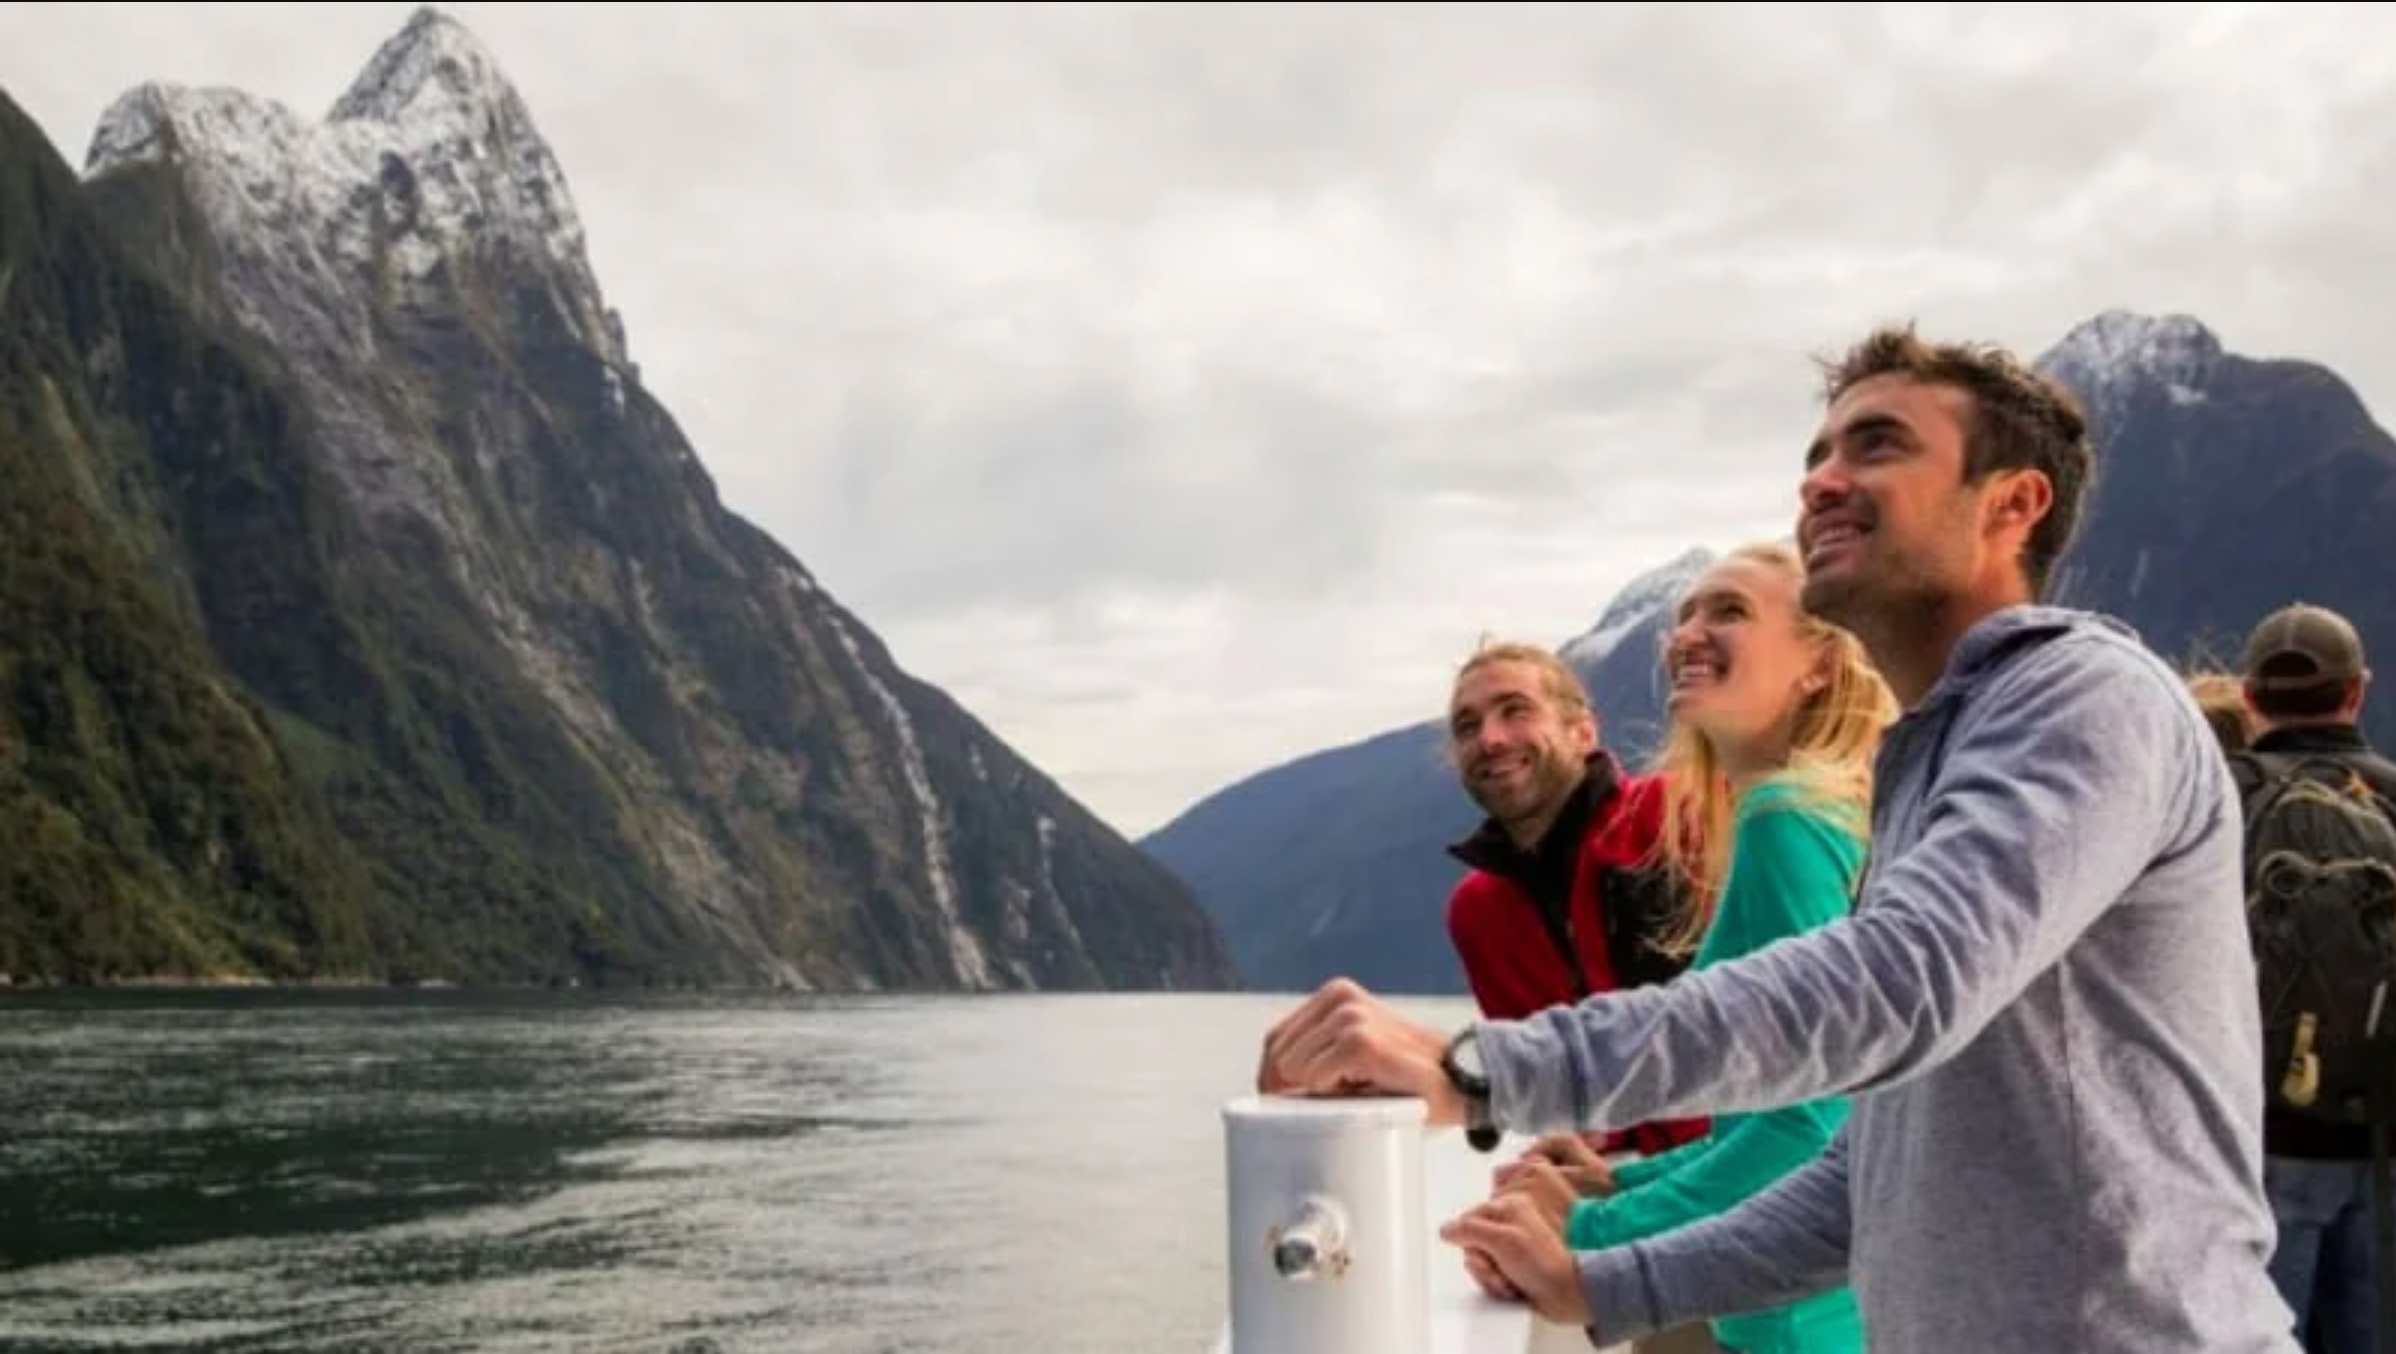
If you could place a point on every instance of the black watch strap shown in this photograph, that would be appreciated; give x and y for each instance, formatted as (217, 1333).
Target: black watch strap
(1480, 1127)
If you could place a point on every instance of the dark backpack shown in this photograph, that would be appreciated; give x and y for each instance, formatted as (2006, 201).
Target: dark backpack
(2321, 910)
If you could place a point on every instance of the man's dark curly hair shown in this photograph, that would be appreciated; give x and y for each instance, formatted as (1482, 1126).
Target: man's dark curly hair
(2021, 419)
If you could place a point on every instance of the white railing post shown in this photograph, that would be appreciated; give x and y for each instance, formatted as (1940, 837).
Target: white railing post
(1329, 1236)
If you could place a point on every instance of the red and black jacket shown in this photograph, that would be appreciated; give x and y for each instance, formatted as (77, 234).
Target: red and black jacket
(1580, 914)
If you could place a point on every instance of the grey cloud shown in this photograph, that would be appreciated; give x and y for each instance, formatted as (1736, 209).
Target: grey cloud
(1187, 383)
(1061, 489)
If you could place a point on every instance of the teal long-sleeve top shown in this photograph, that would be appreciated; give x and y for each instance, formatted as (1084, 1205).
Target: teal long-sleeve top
(1793, 867)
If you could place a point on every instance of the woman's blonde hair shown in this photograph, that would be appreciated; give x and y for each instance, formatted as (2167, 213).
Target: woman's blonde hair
(1833, 740)
(2223, 699)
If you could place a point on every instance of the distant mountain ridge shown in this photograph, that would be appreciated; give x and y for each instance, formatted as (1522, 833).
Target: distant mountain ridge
(2226, 486)
(349, 401)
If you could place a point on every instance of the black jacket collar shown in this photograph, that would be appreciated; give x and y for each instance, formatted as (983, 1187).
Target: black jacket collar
(2313, 738)
(1489, 848)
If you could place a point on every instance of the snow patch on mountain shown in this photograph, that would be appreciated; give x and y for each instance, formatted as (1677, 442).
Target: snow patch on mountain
(426, 166)
(2108, 358)
(1643, 599)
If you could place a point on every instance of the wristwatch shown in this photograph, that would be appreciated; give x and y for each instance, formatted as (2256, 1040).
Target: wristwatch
(1462, 1063)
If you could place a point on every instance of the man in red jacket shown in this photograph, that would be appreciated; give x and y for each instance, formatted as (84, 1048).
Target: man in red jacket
(1563, 898)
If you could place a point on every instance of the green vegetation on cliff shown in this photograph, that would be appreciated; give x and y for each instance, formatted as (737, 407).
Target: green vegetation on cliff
(149, 823)
(219, 755)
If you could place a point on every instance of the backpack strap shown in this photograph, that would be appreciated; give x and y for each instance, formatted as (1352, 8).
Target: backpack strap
(2274, 773)
(2269, 776)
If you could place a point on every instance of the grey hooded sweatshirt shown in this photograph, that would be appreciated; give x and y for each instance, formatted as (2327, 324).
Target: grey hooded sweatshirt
(2044, 1005)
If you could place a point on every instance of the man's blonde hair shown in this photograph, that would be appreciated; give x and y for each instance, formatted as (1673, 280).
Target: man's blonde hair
(1557, 680)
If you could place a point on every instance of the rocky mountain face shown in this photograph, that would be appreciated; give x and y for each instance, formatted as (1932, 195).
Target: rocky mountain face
(150, 820)
(569, 719)
(2226, 486)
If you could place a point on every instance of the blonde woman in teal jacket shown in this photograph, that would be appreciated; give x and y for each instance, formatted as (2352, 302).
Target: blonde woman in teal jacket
(1775, 720)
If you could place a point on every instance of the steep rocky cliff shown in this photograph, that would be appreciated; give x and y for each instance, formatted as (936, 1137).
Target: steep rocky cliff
(149, 822)
(2228, 484)
(574, 719)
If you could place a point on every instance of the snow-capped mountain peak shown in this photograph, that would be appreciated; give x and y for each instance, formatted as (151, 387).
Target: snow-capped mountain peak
(2108, 356)
(1640, 601)
(428, 166)
(431, 70)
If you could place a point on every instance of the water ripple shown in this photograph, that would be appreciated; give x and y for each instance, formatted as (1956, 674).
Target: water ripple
(530, 1172)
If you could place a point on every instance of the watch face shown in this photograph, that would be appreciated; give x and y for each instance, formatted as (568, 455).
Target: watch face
(1466, 1054)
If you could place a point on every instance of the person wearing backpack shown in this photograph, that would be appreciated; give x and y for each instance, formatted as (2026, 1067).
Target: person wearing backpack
(2321, 889)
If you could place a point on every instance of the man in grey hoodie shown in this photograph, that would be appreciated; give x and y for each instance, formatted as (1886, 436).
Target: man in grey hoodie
(2043, 1004)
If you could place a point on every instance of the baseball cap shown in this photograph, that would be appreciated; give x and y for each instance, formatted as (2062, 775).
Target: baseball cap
(2302, 646)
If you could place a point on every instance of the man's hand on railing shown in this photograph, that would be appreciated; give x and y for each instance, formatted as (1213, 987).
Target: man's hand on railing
(1508, 1245)
(1345, 1041)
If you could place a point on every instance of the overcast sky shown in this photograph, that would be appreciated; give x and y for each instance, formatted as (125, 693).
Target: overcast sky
(1184, 389)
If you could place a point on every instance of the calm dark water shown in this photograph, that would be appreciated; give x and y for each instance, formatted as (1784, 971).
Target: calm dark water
(451, 1171)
